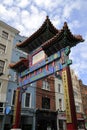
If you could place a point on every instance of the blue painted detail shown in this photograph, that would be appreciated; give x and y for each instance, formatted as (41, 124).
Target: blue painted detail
(51, 69)
(7, 110)
(54, 63)
(69, 62)
(67, 50)
(41, 64)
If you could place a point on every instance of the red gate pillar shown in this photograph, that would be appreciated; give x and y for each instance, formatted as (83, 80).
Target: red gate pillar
(71, 118)
(17, 109)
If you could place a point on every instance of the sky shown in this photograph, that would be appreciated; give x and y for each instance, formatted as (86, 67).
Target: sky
(28, 15)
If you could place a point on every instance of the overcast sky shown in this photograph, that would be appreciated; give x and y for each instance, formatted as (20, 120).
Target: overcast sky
(28, 15)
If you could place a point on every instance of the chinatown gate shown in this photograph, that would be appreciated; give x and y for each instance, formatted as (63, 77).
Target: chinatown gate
(48, 53)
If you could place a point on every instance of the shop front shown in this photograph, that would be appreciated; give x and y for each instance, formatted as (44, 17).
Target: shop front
(46, 120)
(80, 121)
(61, 121)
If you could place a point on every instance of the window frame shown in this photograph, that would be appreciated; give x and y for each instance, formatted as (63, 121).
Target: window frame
(13, 97)
(29, 100)
(45, 85)
(44, 99)
(60, 104)
(2, 64)
(0, 86)
(59, 88)
(2, 48)
(4, 34)
(1, 107)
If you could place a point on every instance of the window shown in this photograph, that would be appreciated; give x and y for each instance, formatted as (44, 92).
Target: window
(60, 104)
(46, 85)
(27, 100)
(15, 77)
(2, 48)
(75, 94)
(59, 88)
(14, 94)
(4, 34)
(1, 107)
(45, 103)
(0, 85)
(1, 66)
(78, 108)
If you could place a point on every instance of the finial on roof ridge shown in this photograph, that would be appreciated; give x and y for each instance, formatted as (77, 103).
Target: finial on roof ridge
(47, 18)
(65, 24)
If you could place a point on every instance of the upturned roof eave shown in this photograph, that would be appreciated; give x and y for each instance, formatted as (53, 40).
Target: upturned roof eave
(60, 37)
(16, 66)
(37, 33)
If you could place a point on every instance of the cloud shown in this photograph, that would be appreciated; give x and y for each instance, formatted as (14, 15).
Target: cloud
(70, 7)
(24, 20)
(9, 14)
(32, 21)
(22, 3)
(79, 59)
(28, 15)
(2, 9)
(49, 6)
(74, 24)
(7, 2)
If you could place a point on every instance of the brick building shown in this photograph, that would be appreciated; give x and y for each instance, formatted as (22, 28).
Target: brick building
(45, 104)
(45, 91)
(83, 89)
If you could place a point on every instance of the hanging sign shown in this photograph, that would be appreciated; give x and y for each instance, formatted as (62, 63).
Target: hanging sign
(66, 95)
(46, 67)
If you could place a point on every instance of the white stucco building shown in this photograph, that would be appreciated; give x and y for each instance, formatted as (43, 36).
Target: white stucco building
(7, 34)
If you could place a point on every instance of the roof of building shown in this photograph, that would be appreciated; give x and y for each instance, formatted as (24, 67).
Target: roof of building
(50, 39)
(44, 33)
(20, 66)
(61, 40)
(47, 36)
(5, 25)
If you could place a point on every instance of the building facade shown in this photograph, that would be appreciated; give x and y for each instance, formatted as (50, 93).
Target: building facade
(28, 96)
(7, 34)
(9, 37)
(46, 115)
(78, 99)
(77, 92)
(60, 103)
(83, 89)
